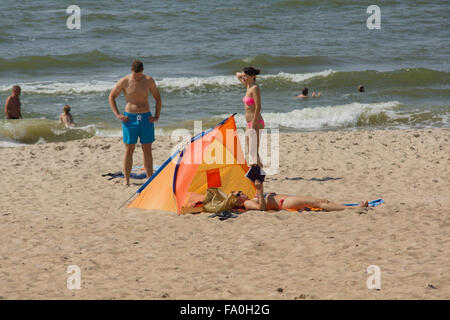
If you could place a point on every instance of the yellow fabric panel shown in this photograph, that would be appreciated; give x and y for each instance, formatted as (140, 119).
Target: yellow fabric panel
(216, 155)
(233, 179)
(158, 195)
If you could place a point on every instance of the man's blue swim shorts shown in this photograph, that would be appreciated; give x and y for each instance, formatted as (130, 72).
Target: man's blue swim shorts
(138, 126)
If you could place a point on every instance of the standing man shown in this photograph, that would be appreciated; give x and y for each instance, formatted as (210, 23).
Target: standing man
(12, 105)
(137, 120)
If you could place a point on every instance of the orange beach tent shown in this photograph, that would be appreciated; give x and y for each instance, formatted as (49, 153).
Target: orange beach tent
(213, 158)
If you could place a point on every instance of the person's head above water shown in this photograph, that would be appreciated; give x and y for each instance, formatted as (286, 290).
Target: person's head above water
(16, 90)
(137, 66)
(251, 72)
(305, 91)
(361, 88)
(66, 109)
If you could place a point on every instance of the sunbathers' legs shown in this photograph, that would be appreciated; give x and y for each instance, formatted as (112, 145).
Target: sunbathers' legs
(300, 202)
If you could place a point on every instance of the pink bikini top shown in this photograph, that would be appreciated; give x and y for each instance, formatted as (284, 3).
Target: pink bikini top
(249, 101)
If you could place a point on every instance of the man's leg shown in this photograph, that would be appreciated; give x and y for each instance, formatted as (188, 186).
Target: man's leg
(148, 158)
(128, 162)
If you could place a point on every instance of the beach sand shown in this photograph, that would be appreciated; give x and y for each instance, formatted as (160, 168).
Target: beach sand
(57, 210)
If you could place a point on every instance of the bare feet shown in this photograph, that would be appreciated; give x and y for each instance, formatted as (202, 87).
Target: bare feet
(364, 204)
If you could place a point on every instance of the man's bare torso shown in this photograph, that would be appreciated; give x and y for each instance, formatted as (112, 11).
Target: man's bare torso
(136, 94)
(13, 108)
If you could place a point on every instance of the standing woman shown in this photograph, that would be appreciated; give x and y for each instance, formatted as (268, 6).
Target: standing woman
(252, 103)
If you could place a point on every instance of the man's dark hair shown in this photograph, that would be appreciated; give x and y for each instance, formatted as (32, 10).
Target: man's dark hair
(361, 88)
(137, 66)
(305, 91)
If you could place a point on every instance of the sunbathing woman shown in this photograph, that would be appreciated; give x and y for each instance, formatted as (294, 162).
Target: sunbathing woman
(272, 201)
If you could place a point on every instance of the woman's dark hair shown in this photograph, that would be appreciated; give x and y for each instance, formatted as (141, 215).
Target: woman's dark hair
(305, 91)
(250, 71)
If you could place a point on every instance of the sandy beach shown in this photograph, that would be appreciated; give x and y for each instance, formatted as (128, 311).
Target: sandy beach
(57, 210)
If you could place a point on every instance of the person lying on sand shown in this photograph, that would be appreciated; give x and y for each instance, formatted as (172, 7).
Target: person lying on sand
(66, 117)
(272, 201)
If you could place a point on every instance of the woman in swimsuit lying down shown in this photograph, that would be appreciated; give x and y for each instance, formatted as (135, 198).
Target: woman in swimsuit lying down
(272, 201)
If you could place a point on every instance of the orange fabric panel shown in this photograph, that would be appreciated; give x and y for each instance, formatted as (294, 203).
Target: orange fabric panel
(158, 194)
(192, 157)
(213, 178)
(229, 137)
(194, 174)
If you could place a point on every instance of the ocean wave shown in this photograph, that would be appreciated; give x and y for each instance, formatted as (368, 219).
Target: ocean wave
(7, 143)
(36, 131)
(301, 4)
(323, 80)
(269, 61)
(175, 84)
(407, 77)
(63, 88)
(348, 115)
(69, 61)
(31, 131)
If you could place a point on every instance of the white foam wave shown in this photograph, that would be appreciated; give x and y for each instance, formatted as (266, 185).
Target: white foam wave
(55, 87)
(168, 84)
(10, 144)
(300, 77)
(320, 117)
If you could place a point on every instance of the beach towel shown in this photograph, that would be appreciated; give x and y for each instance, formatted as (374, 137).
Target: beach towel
(373, 203)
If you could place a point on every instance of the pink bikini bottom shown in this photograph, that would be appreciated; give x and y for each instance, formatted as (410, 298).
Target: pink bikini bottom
(249, 124)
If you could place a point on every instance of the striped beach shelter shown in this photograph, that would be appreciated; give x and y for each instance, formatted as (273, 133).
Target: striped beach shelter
(213, 158)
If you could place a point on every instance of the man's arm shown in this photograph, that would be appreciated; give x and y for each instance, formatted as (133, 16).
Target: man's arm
(7, 107)
(112, 100)
(155, 92)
